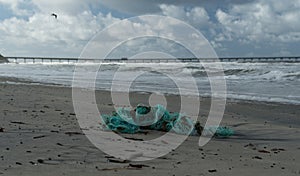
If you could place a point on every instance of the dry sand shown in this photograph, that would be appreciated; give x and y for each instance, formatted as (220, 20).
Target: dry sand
(40, 136)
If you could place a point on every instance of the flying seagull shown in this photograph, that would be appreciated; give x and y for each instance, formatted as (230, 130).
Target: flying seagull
(55, 16)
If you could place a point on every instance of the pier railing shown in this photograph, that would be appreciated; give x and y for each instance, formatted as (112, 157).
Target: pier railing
(156, 60)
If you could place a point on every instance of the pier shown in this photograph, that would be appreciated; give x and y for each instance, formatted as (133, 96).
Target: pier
(157, 60)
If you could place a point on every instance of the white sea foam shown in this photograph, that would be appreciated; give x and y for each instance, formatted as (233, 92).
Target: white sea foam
(273, 82)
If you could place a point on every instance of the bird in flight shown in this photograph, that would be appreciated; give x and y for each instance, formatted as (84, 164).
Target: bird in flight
(55, 15)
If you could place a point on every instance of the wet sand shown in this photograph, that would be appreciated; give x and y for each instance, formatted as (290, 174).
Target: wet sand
(40, 136)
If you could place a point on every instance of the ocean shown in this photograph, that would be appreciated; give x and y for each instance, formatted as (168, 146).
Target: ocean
(267, 82)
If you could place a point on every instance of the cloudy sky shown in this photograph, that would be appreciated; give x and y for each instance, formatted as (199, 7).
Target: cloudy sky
(233, 27)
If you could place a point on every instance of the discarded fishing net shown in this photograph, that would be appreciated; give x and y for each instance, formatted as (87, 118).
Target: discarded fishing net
(126, 120)
(116, 123)
(218, 131)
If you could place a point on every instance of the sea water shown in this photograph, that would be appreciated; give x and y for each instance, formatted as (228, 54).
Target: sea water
(270, 82)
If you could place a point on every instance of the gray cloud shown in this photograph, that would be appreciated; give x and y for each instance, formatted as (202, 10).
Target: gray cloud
(234, 27)
(271, 20)
(138, 7)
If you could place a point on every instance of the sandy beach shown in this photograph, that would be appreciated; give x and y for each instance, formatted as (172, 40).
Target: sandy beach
(147, 87)
(40, 136)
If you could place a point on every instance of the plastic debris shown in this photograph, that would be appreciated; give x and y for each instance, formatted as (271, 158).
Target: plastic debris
(126, 120)
(218, 131)
(118, 124)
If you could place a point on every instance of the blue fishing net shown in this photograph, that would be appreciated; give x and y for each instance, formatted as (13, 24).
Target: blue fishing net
(118, 124)
(125, 120)
(218, 131)
(183, 125)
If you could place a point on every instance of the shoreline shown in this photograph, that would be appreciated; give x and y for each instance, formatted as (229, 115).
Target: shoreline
(41, 135)
(28, 82)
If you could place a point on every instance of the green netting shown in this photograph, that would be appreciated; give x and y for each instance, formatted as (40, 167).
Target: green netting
(125, 114)
(125, 120)
(218, 131)
(116, 123)
(140, 109)
(144, 116)
(183, 125)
